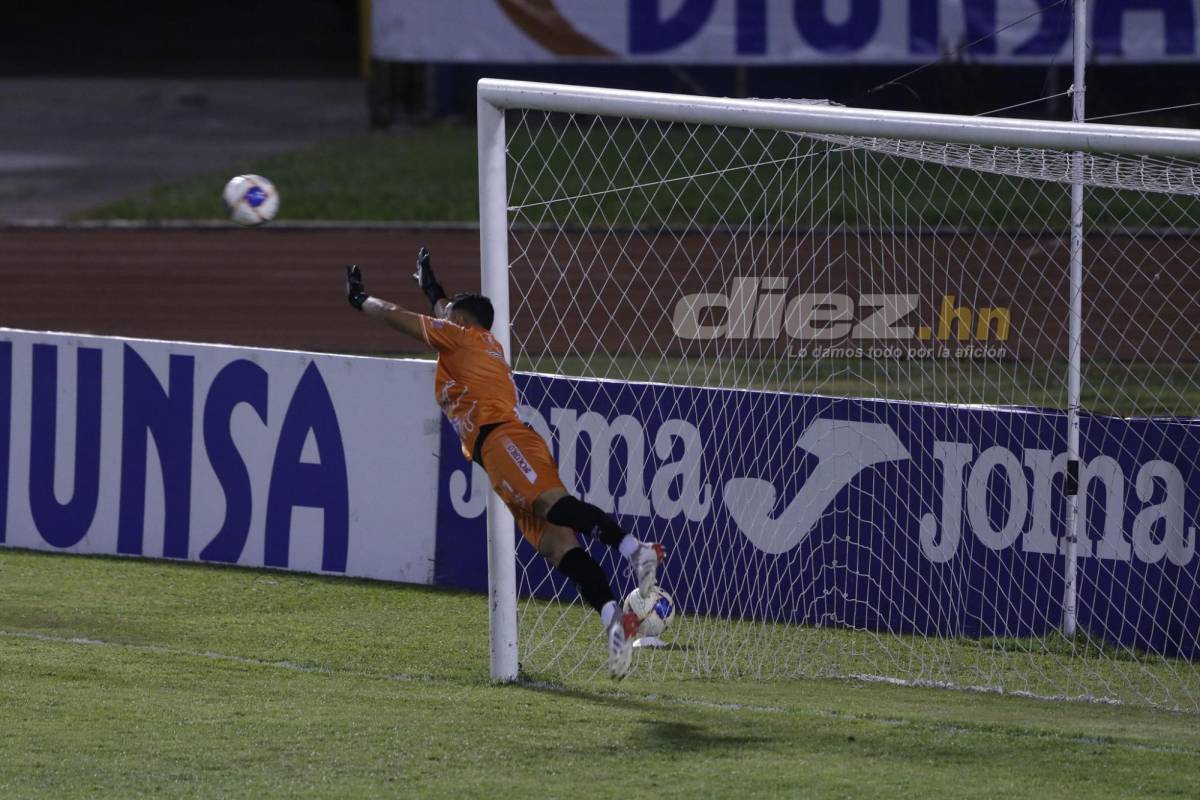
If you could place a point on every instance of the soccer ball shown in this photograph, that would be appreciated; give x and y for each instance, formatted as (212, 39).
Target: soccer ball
(251, 200)
(655, 611)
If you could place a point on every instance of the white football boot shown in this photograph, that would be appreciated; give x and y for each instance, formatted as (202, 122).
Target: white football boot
(621, 633)
(644, 566)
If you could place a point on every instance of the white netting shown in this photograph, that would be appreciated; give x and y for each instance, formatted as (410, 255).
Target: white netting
(801, 267)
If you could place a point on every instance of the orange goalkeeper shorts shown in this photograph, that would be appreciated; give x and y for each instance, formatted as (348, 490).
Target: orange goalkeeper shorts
(520, 466)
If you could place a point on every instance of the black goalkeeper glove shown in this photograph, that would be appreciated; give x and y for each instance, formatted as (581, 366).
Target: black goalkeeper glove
(424, 276)
(355, 293)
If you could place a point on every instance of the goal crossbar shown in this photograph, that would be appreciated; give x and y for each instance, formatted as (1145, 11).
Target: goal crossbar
(784, 115)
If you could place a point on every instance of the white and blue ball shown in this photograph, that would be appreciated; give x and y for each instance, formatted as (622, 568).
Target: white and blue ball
(655, 611)
(251, 200)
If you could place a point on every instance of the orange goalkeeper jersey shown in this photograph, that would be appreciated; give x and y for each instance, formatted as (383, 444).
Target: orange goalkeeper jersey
(474, 384)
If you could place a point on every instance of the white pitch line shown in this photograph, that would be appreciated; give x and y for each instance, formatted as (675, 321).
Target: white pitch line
(290, 666)
(929, 684)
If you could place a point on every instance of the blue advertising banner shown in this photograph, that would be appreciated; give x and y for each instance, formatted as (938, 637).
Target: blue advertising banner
(875, 515)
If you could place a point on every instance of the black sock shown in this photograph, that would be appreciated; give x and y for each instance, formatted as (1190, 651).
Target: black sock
(573, 513)
(589, 579)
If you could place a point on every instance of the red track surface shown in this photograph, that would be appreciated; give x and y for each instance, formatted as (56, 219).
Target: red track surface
(284, 287)
(266, 288)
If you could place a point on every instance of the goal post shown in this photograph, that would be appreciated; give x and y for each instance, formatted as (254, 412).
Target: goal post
(493, 249)
(832, 356)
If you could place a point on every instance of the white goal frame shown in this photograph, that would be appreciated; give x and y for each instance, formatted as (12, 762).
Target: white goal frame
(496, 96)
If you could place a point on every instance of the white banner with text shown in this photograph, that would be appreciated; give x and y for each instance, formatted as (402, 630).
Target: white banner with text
(292, 460)
(779, 32)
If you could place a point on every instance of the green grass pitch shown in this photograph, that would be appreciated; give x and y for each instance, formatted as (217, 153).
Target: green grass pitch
(128, 678)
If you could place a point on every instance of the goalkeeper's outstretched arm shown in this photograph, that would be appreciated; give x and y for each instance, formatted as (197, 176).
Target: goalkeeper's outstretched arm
(429, 285)
(399, 318)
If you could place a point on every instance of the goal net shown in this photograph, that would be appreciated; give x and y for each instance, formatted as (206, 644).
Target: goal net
(830, 372)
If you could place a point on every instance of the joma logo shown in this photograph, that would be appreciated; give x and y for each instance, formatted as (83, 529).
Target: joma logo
(1004, 498)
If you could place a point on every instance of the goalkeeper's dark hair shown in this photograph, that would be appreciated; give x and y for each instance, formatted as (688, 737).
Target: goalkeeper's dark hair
(478, 306)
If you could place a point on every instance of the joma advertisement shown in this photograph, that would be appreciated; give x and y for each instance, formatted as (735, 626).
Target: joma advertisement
(878, 515)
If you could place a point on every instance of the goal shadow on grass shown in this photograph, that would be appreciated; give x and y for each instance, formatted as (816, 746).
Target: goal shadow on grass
(675, 735)
(671, 725)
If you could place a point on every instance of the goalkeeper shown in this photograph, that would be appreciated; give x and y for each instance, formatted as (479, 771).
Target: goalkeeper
(475, 389)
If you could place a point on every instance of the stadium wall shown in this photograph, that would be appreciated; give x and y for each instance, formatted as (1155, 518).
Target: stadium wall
(254, 457)
(905, 517)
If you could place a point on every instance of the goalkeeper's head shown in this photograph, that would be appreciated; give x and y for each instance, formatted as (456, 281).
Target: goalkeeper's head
(470, 309)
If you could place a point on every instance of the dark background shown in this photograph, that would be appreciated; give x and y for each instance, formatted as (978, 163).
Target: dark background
(180, 38)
